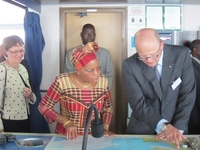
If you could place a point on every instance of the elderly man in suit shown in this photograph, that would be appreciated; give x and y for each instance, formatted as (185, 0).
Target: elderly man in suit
(194, 123)
(88, 34)
(160, 87)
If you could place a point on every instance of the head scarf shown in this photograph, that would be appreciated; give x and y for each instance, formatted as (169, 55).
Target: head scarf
(83, 55)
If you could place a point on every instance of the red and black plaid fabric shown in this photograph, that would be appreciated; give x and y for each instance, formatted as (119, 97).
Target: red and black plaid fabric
(75, 102)
(83, 55)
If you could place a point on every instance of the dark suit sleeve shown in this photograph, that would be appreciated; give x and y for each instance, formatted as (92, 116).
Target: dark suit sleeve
(141, 107)
(197, 75)
(109, 69)
(68, 65)
(196, 67)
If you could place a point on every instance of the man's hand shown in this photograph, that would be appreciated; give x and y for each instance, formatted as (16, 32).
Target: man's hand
(172, 134)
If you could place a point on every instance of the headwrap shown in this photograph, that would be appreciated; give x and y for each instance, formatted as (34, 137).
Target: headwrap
(83, 55)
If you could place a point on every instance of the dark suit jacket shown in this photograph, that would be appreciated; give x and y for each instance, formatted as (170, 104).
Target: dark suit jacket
(194, 124)
(150, 101)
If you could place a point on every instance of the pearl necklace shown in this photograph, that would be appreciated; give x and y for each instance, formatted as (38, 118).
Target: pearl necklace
(84, 86)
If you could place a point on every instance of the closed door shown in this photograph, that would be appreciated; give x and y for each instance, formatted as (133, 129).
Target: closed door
(110, 35)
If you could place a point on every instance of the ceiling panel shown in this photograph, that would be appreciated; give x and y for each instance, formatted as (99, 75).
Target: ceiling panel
(119, 1)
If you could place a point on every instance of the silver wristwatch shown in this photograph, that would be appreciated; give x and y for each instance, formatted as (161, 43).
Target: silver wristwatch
(164, 126)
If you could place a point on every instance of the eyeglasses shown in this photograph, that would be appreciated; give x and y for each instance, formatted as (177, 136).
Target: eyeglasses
(151, 56)
(16, 52)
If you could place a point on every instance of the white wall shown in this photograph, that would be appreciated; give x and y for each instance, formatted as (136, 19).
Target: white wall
(49, 19)
(50, 26)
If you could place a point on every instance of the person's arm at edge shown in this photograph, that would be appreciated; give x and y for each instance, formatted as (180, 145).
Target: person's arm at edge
(107, 112)
(109, 70)
(46, 106)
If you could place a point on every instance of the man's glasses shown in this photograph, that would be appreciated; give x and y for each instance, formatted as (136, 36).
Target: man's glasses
(16, 52)
(151, 56)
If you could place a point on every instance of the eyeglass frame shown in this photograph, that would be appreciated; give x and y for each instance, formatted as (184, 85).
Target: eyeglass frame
(16, 52)
(151, 56)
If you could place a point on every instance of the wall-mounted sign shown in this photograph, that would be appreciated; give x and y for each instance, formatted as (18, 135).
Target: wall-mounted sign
(136, 16)
(154, 17)
(163, 17)
(172, 17)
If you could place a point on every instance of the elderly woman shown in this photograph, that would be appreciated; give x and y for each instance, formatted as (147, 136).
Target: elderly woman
(14, 80)
(76, 91)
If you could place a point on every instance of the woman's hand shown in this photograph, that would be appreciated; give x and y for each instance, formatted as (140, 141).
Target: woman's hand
(71, 131)
(27, 92)
(109, 133)
(106, 130)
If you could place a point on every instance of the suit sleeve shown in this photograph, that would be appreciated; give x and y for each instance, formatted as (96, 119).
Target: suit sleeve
(196, 67)
(109, 70)
(141, 107)
(68, 65)
(187, 95)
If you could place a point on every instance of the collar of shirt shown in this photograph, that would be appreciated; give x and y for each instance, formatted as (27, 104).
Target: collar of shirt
(159, 64)
(196, 59)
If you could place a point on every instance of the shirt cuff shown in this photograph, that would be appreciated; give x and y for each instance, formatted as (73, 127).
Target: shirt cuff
(159, 124)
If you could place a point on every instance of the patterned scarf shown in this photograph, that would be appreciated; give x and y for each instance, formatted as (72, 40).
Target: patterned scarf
(81, 56)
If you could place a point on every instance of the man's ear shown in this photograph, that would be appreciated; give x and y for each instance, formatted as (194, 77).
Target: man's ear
(162, 44)
(195, 49)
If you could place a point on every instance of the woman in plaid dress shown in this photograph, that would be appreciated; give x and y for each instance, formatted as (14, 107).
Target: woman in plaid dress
(76, 91)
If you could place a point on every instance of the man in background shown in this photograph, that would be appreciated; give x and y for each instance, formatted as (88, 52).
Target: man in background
(194, 123)
(88, 34)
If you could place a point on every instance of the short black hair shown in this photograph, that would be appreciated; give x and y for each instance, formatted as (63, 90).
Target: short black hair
(194, 44)
(88, 25)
